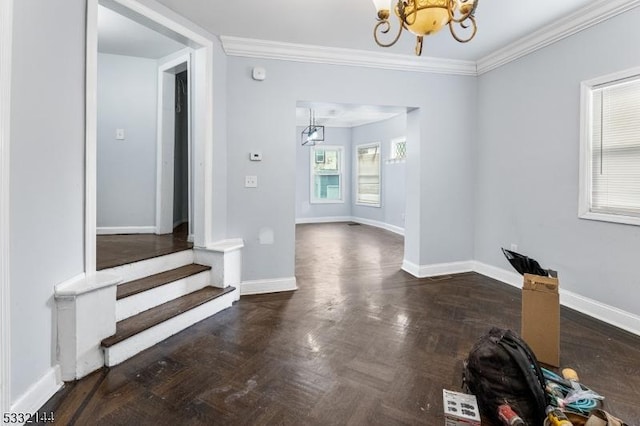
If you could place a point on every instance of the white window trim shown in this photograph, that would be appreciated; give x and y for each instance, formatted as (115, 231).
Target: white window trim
(357, 173)
(586, 98)
(312, 159)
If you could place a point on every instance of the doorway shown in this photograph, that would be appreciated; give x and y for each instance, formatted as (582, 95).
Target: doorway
(162, 152)
(181, 175)
(353, 180)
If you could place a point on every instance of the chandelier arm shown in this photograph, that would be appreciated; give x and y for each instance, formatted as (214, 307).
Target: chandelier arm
(464, 25)
(470, 14)
(383, 27)
(450, 8)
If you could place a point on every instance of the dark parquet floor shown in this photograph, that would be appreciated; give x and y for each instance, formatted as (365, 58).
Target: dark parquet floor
(116, 250)
(360, 343)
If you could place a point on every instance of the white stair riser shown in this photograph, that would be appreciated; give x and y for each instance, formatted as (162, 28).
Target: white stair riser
(137, 303)
(126, 349)
(144, 268)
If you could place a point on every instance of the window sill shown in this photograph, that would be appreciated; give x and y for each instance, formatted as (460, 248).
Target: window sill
(326, 202)
(608, 217)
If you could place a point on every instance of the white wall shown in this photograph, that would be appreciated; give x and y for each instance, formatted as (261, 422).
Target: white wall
(304, 209)
(127, 99)
(393, 189)
(261, 116)
(47, 176)
(527, 156)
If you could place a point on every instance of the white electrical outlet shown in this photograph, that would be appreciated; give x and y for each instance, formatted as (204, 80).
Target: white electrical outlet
(251, 181)
(514, 247)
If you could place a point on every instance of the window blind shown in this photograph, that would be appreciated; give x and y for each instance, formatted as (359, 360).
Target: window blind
(368, 183)
(615, 149)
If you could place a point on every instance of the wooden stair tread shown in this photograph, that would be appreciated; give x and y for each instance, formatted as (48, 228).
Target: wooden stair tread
(143, 284)
(154, 316)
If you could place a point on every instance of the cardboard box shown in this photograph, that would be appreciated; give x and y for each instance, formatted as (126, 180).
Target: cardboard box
(541, 317)
(460, 409)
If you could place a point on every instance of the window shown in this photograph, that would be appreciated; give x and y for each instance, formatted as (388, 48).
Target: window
(368, 175)
(610, 148)
(398, 149)
(326, 174)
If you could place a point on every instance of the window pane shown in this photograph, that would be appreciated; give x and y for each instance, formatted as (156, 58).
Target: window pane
(399, 150)
(327, 161)
(368, 179)
(327, 187)
(615, 159)
(326, 174)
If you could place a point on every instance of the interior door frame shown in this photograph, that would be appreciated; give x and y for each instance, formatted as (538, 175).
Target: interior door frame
(6, 29)
(165, 182)
(170, 24)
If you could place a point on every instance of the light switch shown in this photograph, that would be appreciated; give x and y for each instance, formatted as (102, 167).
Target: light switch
(251, 181)
(120, 134)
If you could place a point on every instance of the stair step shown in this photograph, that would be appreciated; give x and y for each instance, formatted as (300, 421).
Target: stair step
(156, 265)
(143, 284)
(154, 316)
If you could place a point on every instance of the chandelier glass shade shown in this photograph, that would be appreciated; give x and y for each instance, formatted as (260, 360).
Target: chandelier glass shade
(426, 17)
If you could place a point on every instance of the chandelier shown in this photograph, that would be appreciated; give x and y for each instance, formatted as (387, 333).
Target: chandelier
(425, 17)
(312, 134)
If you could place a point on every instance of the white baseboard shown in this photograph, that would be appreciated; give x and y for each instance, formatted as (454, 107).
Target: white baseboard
(424, 271)
(324, 219)
(508, 277)
(39, 393)
(601, 311)
(364, 221)
(378, 224)
(113, 230)
(268, 286)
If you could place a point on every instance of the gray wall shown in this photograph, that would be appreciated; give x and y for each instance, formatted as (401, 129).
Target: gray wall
(261, 116)
(304, 209)
(527, 157)
(127, 99)
(393, 174)
(47, 176)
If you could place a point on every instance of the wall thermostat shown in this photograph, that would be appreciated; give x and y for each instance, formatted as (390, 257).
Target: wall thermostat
(255, 156)
(259, 73)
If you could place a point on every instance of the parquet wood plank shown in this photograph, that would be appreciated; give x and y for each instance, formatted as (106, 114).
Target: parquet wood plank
(361, 343)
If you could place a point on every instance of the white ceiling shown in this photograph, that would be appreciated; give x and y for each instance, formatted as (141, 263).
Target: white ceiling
(331, 23)
(122, 36)
(343, 115)
(349, 24)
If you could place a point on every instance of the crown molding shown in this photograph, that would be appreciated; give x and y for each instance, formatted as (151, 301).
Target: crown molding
(584, 18)
(264, 49)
